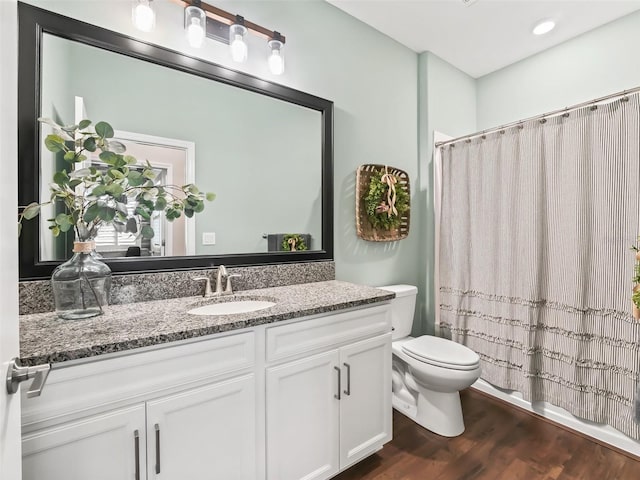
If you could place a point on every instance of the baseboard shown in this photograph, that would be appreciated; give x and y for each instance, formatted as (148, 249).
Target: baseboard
(600, 433)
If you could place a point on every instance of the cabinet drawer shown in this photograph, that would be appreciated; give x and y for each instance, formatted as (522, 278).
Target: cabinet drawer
(316, 334)
(100, 385)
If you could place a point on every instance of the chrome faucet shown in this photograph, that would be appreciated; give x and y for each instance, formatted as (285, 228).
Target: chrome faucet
(222, 273)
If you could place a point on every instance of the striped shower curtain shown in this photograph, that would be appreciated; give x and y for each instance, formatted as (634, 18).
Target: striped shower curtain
(535, 265)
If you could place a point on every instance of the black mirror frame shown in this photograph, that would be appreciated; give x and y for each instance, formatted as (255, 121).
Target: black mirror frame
(33, 22)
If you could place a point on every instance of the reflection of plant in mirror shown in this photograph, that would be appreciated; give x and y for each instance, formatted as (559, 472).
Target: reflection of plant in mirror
(96, 196)
(293, 242)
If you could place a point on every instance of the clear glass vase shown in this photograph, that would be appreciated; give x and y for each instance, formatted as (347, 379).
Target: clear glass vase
(81, 285)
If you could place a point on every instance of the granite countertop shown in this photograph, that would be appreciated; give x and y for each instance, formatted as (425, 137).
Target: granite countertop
(44, 338)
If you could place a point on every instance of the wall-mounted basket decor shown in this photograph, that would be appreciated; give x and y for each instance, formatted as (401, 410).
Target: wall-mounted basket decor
(382, 198)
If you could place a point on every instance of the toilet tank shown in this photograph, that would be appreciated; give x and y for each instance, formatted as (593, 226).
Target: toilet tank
(402, 309)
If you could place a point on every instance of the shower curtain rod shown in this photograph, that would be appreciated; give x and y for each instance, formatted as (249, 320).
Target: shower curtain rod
(623, 94)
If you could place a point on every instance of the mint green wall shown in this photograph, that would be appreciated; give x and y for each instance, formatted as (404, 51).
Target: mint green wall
(599, 62)
(447, 104)
(371, 79)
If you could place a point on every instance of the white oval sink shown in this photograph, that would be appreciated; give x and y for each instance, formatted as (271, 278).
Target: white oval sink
(230, 308)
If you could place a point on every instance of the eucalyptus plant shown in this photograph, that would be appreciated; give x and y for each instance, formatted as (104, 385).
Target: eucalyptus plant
(98, 195)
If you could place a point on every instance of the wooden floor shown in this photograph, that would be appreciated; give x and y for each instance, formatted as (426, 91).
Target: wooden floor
(500, 443)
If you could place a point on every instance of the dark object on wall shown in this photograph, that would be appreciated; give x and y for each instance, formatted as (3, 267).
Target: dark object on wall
(364, 229)
(274, 241)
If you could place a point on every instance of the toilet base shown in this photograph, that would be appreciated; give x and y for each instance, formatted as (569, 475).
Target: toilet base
(438, 412)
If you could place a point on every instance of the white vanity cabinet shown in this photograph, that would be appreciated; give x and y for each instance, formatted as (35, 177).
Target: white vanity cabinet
(303, 398)
(189, 413)
(327, 410)
(102, 447)
(208, 432)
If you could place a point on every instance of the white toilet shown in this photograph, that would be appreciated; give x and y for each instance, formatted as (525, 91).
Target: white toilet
(428, 372)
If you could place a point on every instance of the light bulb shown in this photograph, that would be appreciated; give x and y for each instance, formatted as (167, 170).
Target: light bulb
(276, 60)
(195, 21)
(237, 44)
(144, 18)
(238, 49)
(276, 63)
(195, 33)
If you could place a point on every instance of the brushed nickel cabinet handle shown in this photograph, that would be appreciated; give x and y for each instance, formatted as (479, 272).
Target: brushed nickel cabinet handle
(348, 390)
(337, 395)
(136, 447)
(157, 427)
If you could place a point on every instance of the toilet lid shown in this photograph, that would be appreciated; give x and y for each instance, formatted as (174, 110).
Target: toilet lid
(441, 352)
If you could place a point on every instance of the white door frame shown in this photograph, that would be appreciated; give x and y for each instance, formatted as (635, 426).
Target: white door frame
(10, 438)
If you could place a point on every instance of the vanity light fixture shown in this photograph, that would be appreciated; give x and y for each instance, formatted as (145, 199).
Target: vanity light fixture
(276, 58)
(202, 20)
(545, 26)
(238, 46)
(143, 15)
(195, 24)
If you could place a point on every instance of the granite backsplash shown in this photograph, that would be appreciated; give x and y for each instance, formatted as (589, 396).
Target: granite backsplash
(36, 296)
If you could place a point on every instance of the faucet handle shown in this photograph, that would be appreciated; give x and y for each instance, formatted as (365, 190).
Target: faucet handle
(229, 288)
(207, 285)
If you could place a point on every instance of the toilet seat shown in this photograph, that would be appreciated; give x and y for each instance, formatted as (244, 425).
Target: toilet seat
(441, 352)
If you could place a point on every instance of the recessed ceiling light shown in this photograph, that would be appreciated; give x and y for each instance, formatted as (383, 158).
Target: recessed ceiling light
(543, 27)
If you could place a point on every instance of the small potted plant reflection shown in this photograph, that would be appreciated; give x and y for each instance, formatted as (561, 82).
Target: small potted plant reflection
(117, 191)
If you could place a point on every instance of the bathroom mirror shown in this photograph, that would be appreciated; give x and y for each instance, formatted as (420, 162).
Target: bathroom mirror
(264, 149)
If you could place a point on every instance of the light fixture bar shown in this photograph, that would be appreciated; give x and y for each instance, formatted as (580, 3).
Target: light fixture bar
(229, 19)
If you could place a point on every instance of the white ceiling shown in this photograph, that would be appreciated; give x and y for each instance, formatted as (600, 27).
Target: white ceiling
(487, 34)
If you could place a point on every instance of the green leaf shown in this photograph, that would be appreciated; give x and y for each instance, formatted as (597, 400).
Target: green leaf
(54, 143)
(107, 213)
(130, 160)
(31, 211)
(80, 158)
(104, 130)
(74, 183)
(199, 207)
(91, 213)
(148, 174)
(109, 157)
(19, 228)
(161, 204)
(116, 174)
(84, 124)
(115, 190)
(135, 178)
(193, 189)
(99, 190)
(64, 222)
(147, 232)
(61, 178)
(70, 156)
(55, 230)
(211, 196)
(82, 172)
(143, 212)
(90, 144)
(117, 147)
(188, 212)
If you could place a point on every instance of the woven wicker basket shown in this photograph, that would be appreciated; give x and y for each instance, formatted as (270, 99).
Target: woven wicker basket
(364, 229)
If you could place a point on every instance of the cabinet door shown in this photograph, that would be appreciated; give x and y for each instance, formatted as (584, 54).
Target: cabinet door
(365, 408)
(207, 432)
(302, 418)
(103, 447)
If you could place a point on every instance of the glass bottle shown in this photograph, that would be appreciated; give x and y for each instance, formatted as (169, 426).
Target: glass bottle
(81, 285)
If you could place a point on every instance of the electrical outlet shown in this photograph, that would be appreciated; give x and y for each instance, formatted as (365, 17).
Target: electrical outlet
(209, 238)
